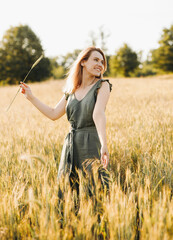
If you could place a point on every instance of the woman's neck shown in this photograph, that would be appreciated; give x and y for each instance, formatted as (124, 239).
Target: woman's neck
(87, 80)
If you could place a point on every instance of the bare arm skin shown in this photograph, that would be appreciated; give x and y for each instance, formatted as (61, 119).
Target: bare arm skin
(100, 120)
(52, 113)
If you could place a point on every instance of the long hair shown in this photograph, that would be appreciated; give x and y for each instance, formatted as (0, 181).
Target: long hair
(74, 76)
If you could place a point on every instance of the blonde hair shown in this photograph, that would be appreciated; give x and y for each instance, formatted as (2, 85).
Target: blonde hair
(74, 79)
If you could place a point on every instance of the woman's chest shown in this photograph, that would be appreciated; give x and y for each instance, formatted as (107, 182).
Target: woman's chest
(82, 107)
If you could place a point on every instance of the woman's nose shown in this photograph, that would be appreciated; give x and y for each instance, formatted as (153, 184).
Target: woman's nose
(100, 64)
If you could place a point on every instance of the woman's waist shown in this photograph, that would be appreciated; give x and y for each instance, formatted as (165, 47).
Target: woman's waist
(84, 128)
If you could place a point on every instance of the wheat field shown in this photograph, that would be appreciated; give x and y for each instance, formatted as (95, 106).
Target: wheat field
(139, 204)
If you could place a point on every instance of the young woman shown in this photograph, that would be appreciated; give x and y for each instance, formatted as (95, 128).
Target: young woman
(84, 101)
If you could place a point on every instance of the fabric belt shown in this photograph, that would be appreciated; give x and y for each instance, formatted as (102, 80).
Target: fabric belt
(71, 141)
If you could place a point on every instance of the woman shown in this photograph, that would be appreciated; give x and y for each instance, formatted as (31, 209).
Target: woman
(84, 101)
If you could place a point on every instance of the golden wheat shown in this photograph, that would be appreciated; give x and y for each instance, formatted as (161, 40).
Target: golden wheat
(139, 204)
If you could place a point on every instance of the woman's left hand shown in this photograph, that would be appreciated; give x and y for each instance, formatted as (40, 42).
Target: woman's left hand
(104, 156)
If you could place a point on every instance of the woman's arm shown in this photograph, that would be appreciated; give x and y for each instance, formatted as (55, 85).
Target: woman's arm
(100, 120)
(52, 113)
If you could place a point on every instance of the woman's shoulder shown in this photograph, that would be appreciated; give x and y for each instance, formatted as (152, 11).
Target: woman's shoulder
(104, 80)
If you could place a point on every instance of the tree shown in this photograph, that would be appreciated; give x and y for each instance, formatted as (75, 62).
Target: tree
(61, 64)
(162, 57)
(146, 69)
(124, 62)
(19, 49)
(93, 38)
(107, 73)
(57, 71)
(69, 58)
(99, 39)
(103, 36)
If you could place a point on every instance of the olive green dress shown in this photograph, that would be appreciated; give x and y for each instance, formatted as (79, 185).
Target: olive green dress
(82, 142)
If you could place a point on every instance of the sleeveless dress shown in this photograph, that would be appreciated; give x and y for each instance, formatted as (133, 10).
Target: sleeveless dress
(82, 142)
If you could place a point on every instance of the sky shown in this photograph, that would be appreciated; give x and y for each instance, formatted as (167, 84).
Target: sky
(65, 25)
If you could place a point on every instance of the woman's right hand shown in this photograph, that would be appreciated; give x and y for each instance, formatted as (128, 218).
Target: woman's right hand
(26, 90)
(104, 156)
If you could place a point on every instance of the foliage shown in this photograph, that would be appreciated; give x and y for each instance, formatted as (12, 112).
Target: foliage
(107, 73)
(140, 143)
(162, 57)
(57, 70)
(124, 62)
(68, 59)
(61, 64)
(58, 73)
(145, 70)
(19, 49)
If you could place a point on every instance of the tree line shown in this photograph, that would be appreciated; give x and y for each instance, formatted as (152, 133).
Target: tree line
(20, 48)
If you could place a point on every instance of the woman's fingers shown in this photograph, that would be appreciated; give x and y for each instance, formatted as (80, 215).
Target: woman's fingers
(104, 160)
(23, 84)
(104, 156)
(23, 90)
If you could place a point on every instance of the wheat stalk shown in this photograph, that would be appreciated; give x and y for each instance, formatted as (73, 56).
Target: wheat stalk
(36, 62)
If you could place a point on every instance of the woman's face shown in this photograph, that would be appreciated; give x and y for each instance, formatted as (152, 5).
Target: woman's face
(95, 64)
